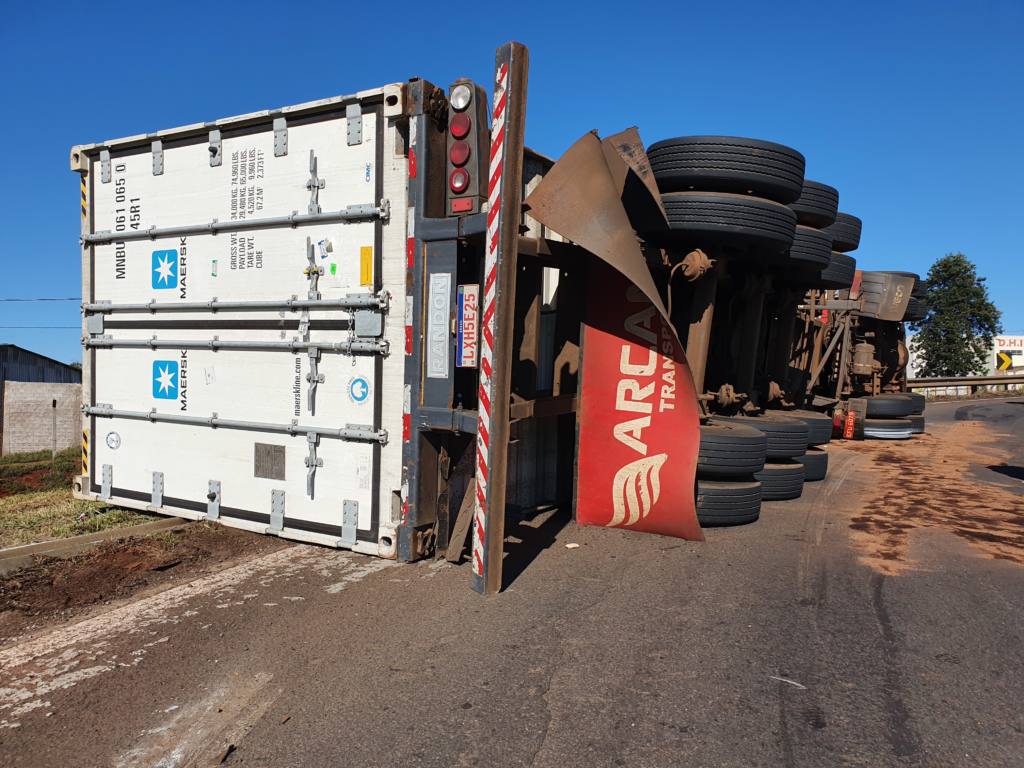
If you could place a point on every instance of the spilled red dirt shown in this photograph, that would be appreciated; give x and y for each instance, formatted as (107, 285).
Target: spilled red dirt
(927, 482)
(56, 589)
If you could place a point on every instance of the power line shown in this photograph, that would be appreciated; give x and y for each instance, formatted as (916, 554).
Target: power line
(45, 298)
(38, 327)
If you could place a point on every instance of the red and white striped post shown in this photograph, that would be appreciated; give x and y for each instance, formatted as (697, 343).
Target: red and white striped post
(504, 199)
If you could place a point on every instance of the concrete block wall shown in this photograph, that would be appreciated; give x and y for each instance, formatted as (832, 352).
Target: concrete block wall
(27, 422)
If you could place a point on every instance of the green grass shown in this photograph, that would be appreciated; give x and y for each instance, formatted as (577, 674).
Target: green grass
(46, 515)
(26, 472)
(36, 502)
(35, 456)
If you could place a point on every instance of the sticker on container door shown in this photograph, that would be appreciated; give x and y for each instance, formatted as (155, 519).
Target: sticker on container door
(363, 472)
(366, 265)
(358, 390)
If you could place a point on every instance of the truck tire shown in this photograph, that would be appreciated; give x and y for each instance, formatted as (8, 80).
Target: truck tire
(811, 249)
(888, 429)
(815, 463)
(786, 437)
(845, 232)
(730, 450)
(916, 311)
(889, 406)
(916, 423)
(817, 205)
(838, 275)
(819, 425)
(698, 219)
(721, 502)
(728, 164)
(781, 480)
(918, 400)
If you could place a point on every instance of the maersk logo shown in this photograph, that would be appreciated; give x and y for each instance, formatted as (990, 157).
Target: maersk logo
(165, 269)
(165, 379)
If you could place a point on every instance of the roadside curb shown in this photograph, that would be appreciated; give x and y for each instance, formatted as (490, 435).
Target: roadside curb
(13, 558)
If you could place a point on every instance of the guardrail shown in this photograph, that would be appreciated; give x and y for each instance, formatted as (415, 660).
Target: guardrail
(973, 382)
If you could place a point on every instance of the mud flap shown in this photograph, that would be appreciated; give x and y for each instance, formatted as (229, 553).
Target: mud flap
(850, 420)
(639, 428)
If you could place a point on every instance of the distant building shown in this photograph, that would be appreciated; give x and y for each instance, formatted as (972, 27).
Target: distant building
(1007, 347)
(40, 401)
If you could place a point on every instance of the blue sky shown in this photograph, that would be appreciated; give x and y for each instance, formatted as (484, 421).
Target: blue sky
(914, 114)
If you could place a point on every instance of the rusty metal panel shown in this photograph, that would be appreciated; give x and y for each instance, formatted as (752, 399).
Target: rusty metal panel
(585, 197)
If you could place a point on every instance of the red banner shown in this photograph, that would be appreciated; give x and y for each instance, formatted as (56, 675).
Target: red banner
(639, 427)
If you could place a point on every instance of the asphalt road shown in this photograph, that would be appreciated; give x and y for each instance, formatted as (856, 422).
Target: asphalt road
(774, 644)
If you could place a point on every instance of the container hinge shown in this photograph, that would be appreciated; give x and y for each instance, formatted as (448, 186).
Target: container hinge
(105, 166)
(157, 498)
(158, 158)
(107, 481)
(313, 378)
(280, 137)
(311, 461)
(216, 156)
(314, 185)
(213, 500)
(349, 523)
(312, 272)
(354, 118)
(276, 511)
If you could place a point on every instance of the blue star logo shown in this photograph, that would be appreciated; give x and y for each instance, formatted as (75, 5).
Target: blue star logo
(165, 379)
(165, 269)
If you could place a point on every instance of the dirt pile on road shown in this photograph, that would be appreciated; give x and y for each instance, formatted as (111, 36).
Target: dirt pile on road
(928, 482)
(55, 589)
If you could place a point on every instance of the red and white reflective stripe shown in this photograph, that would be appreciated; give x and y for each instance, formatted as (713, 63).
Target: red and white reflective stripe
(487, 321)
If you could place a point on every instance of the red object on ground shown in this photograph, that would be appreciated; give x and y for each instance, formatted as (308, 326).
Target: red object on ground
(639, 425)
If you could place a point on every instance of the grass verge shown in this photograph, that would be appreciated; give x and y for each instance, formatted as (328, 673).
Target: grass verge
(36, 502)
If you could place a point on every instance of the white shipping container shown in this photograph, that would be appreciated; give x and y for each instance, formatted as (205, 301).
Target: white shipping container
(245, 289)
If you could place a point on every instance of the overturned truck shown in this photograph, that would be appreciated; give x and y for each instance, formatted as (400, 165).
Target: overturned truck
(380, 322)
(334, 322)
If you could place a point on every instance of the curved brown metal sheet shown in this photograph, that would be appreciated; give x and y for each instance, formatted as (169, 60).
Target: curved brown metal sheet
(585, 197)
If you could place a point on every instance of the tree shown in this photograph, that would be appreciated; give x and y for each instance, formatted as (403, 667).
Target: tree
(955, 337)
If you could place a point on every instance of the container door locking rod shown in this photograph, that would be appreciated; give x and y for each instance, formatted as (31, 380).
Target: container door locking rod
(354, 432)
(314, 185)
(313, 272)
(362, 212)
(311, 461)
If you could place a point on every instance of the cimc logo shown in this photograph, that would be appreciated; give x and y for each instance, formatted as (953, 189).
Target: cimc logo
(165, 269)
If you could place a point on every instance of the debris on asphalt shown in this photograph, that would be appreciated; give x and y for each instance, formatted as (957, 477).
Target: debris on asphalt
(794, 683)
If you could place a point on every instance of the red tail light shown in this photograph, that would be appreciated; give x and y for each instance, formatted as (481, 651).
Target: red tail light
(460, 125)
(459, 154)
(458, 181)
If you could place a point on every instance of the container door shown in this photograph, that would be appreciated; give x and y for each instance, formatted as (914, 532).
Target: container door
(252, 391)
